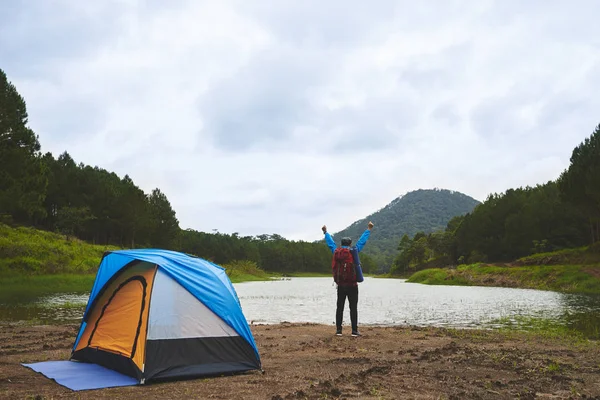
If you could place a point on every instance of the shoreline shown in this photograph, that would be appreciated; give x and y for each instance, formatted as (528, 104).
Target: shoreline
(47, 284)
(304, 360)
(574, 279)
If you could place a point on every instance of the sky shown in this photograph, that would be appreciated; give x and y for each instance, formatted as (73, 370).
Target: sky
(278, 117)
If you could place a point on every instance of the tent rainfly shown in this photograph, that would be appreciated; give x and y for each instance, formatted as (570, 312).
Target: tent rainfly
(157, 314)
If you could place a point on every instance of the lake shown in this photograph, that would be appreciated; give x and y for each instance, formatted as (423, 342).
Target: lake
(381, 302)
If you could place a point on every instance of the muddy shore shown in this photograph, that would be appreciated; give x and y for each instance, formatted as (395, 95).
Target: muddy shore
(306, 361)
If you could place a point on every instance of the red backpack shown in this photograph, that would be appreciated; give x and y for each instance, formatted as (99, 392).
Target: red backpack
(342, 265)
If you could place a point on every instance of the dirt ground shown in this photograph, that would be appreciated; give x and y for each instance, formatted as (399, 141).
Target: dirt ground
(306, 361)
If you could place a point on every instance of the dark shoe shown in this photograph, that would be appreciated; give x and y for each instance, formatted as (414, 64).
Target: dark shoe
(356, 333)
(338, 332)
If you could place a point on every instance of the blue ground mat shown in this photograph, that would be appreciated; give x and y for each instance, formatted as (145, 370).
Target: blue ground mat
(81, 376)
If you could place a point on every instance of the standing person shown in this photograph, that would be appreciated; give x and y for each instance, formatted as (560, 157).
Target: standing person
(347, 287)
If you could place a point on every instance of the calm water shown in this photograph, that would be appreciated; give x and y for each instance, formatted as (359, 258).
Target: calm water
(381, 302)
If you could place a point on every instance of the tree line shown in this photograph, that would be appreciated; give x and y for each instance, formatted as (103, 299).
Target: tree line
(95, 205)
(75, 199)
(560, 214)
(270, 252)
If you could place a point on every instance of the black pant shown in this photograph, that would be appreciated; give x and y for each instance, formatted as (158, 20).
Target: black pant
(352, 293)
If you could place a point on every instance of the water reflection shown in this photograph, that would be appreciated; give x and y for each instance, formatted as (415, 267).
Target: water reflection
(581, 313)
(58, 308)
(381, 302)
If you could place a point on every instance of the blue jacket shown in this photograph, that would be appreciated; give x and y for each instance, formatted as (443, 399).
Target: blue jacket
(353, 249)
(359, 245)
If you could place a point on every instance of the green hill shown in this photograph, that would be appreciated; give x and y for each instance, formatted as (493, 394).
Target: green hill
(423, 210)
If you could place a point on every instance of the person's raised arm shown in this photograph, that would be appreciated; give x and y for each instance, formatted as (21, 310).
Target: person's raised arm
(329, 239)
(364, 237)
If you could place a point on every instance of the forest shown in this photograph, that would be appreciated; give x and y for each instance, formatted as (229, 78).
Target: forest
(557, 215)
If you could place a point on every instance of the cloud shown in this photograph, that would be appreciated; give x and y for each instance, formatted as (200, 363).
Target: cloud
(264, 101)
(250, 116)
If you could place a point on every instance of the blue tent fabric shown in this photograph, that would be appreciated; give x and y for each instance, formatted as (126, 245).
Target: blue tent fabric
(81, 376)
(206, 281)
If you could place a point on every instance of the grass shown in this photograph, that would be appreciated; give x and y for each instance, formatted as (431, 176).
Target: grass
(577, 256)
(26, 253)
(561, 278)
(35, 262)
(29, 251)
(32, 286)
(245, 271)
(541, 328)
(531, 328)
(438, 276)
(570, 271)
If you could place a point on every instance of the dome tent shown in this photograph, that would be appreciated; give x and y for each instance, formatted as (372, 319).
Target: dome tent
(155, 314)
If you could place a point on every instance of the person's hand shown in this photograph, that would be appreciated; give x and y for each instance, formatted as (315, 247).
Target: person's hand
(371, 225)
(324, 228)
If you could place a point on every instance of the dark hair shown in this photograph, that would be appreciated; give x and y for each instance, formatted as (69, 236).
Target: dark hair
(346, 241)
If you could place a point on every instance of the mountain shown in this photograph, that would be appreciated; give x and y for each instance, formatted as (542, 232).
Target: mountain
(423, 210)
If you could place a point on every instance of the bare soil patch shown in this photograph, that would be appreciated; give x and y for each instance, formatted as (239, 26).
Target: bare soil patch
(307, 361)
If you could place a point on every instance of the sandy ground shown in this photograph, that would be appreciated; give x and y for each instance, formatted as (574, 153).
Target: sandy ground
(306, 361)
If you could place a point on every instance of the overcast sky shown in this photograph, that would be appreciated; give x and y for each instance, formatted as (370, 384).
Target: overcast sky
(279, 117)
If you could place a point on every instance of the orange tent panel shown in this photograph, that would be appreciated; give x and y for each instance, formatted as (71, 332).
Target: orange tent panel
(118, 322)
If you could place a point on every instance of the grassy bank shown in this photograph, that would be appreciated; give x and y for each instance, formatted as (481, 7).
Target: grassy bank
(30, 286)
(23, 287)
(28, 251)
(569, 271)
(588, 255)
(245, 271)
(539, 328)
(561, 278)
(35, 263)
